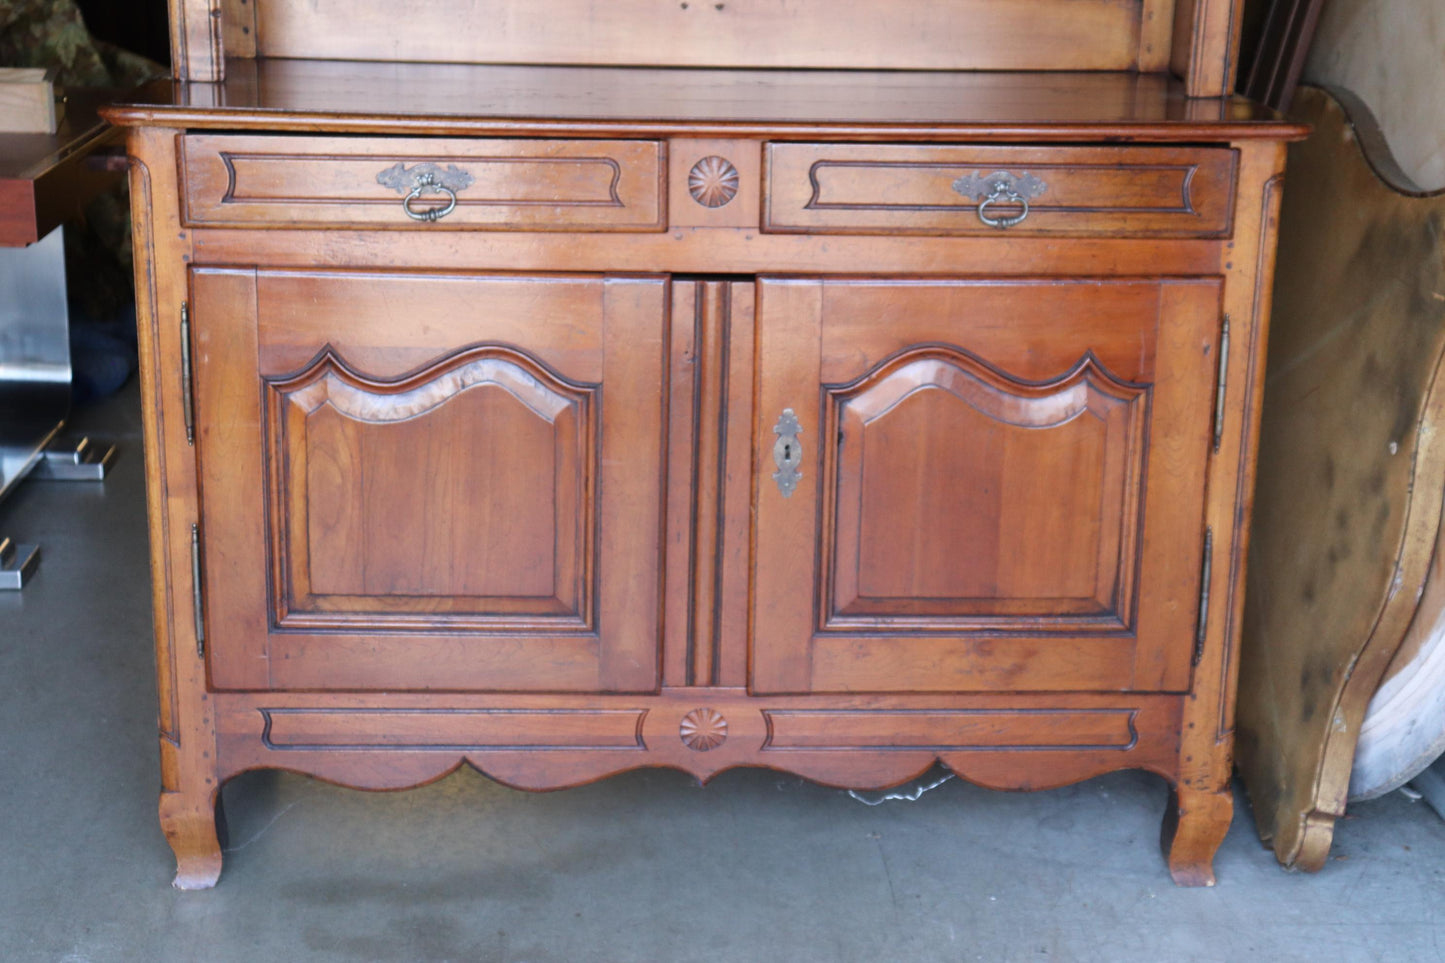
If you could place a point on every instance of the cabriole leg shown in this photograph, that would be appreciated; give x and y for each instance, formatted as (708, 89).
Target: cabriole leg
(192, 824)
(1195, 823)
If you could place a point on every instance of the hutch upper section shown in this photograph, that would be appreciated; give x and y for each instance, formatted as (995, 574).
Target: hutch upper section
(1195, 40)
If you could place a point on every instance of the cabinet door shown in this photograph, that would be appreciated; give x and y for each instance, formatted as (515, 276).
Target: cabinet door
(429, 481)
(995, 485)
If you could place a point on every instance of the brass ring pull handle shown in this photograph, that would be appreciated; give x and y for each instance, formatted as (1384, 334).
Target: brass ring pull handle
(1004, 196)
(427, 184)
(423, 180)
(1000, 188)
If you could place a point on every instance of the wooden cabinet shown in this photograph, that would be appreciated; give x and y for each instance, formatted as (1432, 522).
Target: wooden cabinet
(562, 420)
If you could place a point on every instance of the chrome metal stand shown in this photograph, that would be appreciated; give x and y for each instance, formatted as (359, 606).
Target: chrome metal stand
(35, 379)
(82, 460)
(17, 563)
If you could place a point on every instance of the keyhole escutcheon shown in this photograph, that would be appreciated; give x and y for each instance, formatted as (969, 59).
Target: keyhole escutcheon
(787, 452)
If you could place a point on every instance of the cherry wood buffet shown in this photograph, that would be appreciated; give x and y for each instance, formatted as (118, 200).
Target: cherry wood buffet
(561, 420)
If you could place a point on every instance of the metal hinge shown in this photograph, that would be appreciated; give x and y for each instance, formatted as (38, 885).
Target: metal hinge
(1220, 384)
(189, 399)
(196, 603)
(1205, 568)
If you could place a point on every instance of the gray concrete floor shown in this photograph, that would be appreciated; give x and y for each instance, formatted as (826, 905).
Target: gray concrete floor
(756, 867)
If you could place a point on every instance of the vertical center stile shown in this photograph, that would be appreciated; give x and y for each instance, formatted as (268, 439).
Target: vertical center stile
(712, 312)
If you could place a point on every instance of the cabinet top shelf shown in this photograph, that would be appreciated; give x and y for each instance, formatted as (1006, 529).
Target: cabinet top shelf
(463, 99)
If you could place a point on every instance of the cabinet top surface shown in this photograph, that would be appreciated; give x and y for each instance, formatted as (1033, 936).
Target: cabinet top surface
(460, 99)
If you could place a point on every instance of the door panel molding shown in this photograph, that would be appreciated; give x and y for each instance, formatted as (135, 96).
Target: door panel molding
(470, 421)
(936, 414)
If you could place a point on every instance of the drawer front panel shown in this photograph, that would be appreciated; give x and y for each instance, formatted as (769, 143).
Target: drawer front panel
(519, 185)
(902, 189)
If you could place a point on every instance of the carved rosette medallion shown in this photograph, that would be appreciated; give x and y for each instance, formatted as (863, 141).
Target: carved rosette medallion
(713, 181)
(703, 729)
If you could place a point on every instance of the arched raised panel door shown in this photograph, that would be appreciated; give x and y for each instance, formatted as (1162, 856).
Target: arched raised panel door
(966, 499)
(982, 485)
(500, 441)
(424, 482)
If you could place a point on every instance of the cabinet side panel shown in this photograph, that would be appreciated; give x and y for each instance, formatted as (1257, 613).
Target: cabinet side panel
(189, 778)
(153, 425)
(1207, 740)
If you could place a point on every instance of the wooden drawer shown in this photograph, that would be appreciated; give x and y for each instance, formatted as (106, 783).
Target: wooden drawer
(929, 189)
(517, 185)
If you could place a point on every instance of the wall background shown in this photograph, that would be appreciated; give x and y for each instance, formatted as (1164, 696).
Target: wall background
(1391, 54)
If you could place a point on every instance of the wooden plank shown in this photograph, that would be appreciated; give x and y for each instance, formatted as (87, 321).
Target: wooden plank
(889, 34)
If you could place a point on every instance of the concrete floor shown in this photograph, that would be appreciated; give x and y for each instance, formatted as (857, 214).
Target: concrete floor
(756, 867)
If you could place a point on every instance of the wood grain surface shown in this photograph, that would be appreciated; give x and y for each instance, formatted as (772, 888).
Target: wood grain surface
(972, 34)
(1197, 40)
